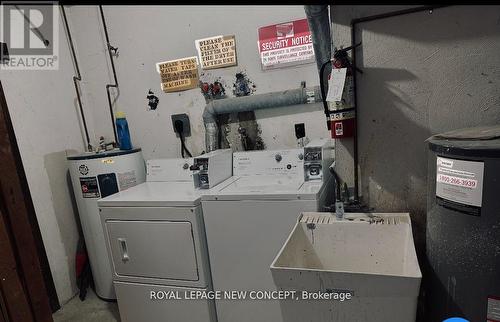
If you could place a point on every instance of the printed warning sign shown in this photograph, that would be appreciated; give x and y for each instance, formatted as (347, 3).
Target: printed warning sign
(178, 75)
(460, 181)
(216, 52)
(286, 44)
(336, 84)
(89, 186)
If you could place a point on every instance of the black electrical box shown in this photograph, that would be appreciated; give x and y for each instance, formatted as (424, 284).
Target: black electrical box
(186, 127)
(300, 130)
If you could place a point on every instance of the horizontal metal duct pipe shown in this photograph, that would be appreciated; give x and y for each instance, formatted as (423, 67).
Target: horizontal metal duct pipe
(252, 103)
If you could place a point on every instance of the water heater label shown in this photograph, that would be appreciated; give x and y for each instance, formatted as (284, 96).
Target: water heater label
(460, 181)
(127, 179)
(89, 186)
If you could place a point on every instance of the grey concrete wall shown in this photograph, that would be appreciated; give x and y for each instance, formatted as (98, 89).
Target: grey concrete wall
(146, 35)
(423, 74)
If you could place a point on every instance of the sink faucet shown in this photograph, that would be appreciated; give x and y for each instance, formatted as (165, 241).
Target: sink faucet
(339, 209)
(339, 203)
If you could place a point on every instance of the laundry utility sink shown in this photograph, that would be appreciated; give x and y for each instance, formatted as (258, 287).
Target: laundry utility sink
(359, 268)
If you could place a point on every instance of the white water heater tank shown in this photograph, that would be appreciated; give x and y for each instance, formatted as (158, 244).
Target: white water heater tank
(95, 176)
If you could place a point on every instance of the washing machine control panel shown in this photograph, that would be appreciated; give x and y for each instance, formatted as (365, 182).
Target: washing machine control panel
(288, 162)
(169, 170)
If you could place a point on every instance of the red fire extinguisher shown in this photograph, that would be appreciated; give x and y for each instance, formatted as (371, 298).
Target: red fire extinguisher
(342, 114)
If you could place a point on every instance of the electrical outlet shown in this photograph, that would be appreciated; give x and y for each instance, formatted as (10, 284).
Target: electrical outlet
(184, 118)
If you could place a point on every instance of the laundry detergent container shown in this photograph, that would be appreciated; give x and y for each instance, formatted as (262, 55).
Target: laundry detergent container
(361, 268)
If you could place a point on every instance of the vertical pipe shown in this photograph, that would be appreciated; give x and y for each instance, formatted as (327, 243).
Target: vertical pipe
(108, 86)
(319, 25)
(77, 78)
(318, 19)
(355, 98)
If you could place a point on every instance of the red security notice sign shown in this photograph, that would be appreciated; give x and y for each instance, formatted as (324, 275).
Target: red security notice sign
(285, 44)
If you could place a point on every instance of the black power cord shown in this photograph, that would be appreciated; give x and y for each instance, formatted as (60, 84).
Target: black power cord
(323, 92)
(184, 148)
(179, 128)
(336, 183)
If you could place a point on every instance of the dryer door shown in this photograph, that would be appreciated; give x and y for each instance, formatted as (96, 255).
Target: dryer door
(153, 249)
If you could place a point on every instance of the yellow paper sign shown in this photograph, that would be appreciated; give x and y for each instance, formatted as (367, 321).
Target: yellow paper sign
(178, 75)
(216, 52)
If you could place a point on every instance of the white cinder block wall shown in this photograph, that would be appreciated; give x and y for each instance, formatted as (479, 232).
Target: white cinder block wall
(147, 35)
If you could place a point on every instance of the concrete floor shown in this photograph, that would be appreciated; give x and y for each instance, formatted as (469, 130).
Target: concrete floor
(92, 309)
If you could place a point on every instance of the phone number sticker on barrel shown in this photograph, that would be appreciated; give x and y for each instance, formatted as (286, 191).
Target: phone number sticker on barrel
(456, 181)
(460, 181)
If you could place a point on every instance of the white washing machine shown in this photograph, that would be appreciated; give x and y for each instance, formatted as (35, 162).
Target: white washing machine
(156, 242)
(247, 221)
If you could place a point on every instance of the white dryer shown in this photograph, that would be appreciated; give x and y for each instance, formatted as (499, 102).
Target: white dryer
(156, 243)
(247, 221)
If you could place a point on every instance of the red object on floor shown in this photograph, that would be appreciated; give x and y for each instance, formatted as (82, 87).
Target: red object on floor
(80, 263)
